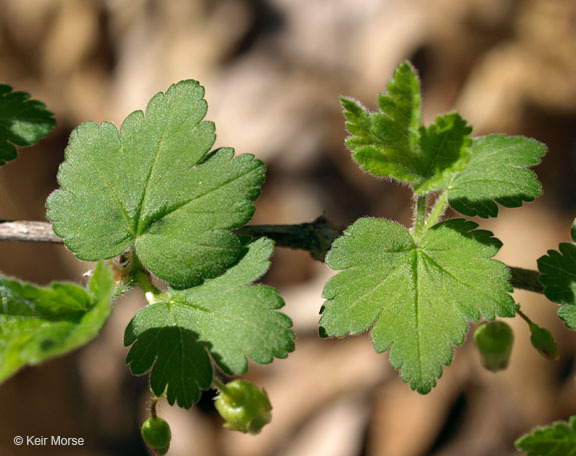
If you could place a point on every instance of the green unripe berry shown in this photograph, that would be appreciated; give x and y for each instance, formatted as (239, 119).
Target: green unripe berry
(156, 434)
(543, 341)
(494, 341)
(244, 406)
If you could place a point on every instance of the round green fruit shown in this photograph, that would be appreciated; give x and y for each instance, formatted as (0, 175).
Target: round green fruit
(244, 406)
(156, 433)
(494, 340)
(543, 341)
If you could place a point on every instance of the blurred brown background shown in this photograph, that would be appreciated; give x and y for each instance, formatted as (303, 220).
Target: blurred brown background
(273, 71)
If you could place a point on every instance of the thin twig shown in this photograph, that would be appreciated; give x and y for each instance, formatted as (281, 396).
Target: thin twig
(525, 317)
(316, 237)
(153, 403)
(526, 279)
(27, 231)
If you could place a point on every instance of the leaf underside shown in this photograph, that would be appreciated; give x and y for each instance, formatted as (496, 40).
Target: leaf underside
(154, 186)
(558, 439)
(225, 319)
(415, 299)
(41, 323)
(22, 122)
(558, 275)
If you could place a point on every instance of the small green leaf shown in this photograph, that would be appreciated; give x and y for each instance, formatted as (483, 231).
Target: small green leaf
(153, 186)
(567, 312)
(497, 172)
(476, 173)
(40, 323)
(558, 275)
(444, 146)
(386, 143)
(415, 298)
(393, 142)
(558, 439)
(22, 122)
(225, 317)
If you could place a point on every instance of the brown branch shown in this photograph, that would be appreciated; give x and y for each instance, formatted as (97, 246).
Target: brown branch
(315, 237)
(26, 231)
(526, 279)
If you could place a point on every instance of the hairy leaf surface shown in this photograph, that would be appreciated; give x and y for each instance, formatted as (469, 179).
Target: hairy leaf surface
(497, 172)
(444, 146)
(40, 323)
(225, 318)
(394, 143)
(477, 173)
(415, 298)
(385, 143)
(558, 276)
(22, 122)
(558, 439)
(153, 185)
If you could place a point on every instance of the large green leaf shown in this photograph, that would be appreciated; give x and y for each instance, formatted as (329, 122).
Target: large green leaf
(558, 439)
(22, 122)
(558, 276)
(40, 323)
(153, 186)
(497, 172)
(225, 317)
(415, 297)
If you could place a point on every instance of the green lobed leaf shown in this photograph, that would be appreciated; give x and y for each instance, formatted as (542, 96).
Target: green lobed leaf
(152, 185)
(40, 323)
(497, 172)
(558, 439)
(22, 122)
(477, 173)
(558, 275)
(386, 143)
(444, 146)
(393, 142)
(415, 298)
(225, 318)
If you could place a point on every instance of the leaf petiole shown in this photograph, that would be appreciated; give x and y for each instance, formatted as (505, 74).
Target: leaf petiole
(153, 404)
(218, 384)
(541, 339)
(423, 222)
(525, 317)
(437, 210)
(419, 218)
(139, 275)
